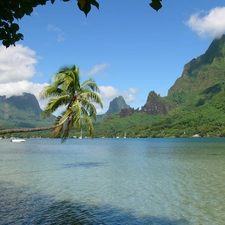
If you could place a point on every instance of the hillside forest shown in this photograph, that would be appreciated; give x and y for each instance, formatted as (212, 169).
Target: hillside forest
(194, 106)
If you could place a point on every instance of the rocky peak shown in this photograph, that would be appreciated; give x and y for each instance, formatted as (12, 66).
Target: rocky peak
(116, 105)
(154, 105)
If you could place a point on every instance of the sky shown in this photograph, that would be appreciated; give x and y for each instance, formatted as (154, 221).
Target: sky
(126, 47)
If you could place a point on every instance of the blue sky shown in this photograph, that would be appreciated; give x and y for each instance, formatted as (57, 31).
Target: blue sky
(126, 46)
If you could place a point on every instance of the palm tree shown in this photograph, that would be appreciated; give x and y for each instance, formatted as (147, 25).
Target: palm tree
(78, 100)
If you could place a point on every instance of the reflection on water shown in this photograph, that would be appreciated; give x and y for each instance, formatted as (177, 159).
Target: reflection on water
(36, 209)
(111, 181)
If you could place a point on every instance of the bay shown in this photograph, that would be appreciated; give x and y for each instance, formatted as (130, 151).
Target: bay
(113, 181)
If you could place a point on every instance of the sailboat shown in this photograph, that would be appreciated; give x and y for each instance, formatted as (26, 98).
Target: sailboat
(80, 134)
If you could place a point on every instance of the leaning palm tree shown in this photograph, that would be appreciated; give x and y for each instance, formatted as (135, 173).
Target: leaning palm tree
(77, 99)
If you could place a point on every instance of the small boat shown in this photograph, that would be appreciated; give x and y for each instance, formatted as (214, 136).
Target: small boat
(18, 140)
(81, 134)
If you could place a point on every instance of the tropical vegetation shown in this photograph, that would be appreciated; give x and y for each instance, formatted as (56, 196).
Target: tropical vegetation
(79, 100)
(76, 101)
(201, 113)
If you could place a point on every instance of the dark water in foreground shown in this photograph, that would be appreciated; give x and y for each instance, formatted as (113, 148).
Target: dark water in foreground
(113, 181)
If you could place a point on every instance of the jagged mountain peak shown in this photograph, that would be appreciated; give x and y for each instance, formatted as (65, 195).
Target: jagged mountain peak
(116, 105)
(154, 105)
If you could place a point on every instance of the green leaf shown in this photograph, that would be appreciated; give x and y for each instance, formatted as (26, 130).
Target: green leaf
(86, 8)
(15, 27)
(6, 43)
(156, 4)
(95, 3)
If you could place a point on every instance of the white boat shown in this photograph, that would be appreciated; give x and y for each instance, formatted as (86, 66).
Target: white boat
(80, 134)
(18, 140)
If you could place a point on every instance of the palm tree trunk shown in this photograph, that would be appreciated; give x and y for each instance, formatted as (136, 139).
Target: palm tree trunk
(20, 130)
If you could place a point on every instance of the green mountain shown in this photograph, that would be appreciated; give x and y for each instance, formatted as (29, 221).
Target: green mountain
(195, 104)
(203, 71)
(116, 105)
(21, 112)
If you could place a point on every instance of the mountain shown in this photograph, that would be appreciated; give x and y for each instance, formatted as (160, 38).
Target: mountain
(24, 102)
(204, 71)
(195, 104)
(116, 105)
(155, 105)
(21, 112)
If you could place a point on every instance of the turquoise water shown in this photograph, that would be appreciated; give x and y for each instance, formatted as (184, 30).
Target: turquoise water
(113, 181)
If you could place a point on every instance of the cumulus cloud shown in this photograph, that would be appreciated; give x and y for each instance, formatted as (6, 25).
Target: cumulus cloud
(96, 69)
(129, 96)
(133, 90)
(18, 88)
(211, 24)
(108, 92)
(16, 63)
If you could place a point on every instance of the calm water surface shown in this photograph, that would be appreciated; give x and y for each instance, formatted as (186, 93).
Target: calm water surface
(113, 181)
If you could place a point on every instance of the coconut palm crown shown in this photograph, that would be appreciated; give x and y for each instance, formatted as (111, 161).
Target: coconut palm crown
(78, 100)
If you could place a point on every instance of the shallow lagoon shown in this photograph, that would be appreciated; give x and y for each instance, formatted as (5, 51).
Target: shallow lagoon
(113, 181)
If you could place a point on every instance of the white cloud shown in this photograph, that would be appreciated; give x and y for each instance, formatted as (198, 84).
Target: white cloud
(16, 63)
(96, 69)
(108, 92)
(133, 90)
(129, 95)
(212, 24)
(60, 33)
(17, 88)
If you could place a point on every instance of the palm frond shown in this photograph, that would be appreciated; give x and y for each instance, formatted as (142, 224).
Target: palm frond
(93, 97)
(66, 131)
(90, 85)
(89, 125)
(89, 108)
(50, 91)
(64, 116)
(56, 131)
(78, 99)
(77, 114)
(54, 104)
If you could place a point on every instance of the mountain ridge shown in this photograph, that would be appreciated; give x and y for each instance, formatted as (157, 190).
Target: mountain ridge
(195, 104)
(21, 111)
(203, 71)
